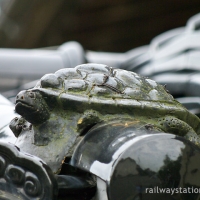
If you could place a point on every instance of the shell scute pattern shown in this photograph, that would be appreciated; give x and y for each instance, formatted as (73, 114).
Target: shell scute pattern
(94, 68)
(75, 85)
(50, 80)
(95, 78)
(152, 83)
(127, 78)
(105, 82)
(100, 91)
(135, 93)
(69, 73)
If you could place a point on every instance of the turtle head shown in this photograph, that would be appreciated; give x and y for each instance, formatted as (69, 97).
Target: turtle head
(31, 106)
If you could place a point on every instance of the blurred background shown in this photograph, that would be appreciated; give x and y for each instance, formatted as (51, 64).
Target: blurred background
(100, 25)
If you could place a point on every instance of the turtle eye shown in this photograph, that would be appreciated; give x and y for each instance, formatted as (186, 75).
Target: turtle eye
(31, 95)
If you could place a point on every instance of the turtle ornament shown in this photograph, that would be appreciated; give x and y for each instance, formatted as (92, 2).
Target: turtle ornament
(88, 115)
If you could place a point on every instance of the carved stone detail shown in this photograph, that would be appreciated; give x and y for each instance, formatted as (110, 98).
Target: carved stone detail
(32, 185)
(23, 176)
(2, 166)
(15, 174)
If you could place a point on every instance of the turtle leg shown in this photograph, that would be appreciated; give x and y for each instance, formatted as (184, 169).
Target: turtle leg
(178, 127)
(18, 124)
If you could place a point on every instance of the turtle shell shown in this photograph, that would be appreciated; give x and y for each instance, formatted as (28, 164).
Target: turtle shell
(100, 87)
(98, 80)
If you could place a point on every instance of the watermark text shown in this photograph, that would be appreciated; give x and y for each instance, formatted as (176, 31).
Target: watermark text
(172, 191)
